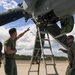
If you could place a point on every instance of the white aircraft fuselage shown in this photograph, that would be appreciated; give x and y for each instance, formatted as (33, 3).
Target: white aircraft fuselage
(61, 8)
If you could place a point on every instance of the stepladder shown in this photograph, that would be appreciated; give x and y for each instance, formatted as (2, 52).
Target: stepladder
(49, 61)
(42, 51)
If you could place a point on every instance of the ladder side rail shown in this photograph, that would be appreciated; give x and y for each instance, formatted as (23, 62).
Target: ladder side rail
(38, 34)
(51, 48)
(50, 51)
(41, 48)
(29, 69)
(53, 60)
(40, 38)
(31, 59)
(38, 30)
(45, 66)
(42, 51)
(44, 56)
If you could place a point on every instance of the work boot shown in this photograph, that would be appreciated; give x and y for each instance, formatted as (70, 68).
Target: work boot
(33, 62)
(37, 62)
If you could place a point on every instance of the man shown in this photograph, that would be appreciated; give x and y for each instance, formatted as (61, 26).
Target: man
(0, 53)
(71, 55)
(10, 51)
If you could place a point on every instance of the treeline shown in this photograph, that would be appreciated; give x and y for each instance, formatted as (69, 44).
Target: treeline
(24, 57)
(20, 57)
(58, 58)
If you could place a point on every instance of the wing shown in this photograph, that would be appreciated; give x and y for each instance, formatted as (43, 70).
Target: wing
(10, 15)
(13, 15)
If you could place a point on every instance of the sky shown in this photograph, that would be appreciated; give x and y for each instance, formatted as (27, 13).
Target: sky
(25, 45)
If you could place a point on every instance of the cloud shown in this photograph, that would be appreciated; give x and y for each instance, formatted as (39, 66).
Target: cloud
(8, 4)
(25, 45)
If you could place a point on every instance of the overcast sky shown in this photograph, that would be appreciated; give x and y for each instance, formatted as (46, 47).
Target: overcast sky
(25, 44)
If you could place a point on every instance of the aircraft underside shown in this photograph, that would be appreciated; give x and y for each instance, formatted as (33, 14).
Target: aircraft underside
(49, 19)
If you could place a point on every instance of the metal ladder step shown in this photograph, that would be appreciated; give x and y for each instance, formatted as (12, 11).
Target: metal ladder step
(51, 64)
(34, 71)
(60, 35)
(52, 74)
(37, 56)
(48, 55)
(43, 32)
(47, 47)
(35, 63)
(37, 48)
(42, 40)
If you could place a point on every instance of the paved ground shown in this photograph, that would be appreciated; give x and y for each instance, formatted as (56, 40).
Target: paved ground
(23, 68)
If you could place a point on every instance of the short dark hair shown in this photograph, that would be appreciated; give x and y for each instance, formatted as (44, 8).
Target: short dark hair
(70, 36)
(12, 30)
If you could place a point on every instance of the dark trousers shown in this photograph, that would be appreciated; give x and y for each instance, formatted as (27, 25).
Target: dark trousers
(10, 67)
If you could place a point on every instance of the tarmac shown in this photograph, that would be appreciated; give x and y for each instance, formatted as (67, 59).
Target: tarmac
(23, 67)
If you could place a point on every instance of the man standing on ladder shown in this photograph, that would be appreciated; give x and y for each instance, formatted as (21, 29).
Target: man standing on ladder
(67, 25)
(37, 52)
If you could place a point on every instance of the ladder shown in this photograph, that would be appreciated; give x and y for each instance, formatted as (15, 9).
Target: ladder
(49, 55)
(36, 64)
(43, 54)
(32, 69)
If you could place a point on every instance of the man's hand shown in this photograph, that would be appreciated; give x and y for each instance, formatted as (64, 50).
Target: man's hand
(61, 49)
(21, 34)
(28, 29)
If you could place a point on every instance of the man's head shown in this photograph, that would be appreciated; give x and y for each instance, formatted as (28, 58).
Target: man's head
(70, 39)
(13, 33)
